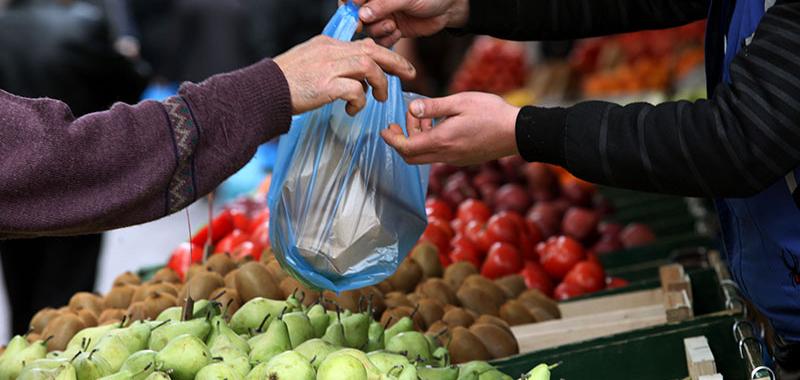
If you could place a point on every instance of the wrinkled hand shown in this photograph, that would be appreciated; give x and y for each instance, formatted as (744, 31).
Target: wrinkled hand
(323, 69)
(389, 20)
(478, 128)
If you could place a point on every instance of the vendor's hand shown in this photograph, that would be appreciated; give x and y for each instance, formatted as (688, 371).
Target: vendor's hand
(389, 20)
(478, 128)
(322, 70)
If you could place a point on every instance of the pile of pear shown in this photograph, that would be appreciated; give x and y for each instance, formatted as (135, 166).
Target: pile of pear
(263, 339)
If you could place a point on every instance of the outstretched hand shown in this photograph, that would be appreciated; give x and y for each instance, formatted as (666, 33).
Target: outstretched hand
(388, 20)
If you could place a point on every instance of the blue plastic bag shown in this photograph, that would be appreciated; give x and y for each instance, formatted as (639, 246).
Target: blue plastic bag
(345, 209)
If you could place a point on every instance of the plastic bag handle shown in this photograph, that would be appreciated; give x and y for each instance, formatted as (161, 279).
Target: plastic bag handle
(342, 26)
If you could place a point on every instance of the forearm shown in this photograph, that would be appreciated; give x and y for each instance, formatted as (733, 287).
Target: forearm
(570, 19)
(131, 164)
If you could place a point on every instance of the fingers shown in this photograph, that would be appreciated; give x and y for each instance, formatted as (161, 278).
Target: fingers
(410, 147)
(381, 29)
(375, 10)
(390, 40)
(352, 92)
(388, 60)
(362, 67)
(438, 107)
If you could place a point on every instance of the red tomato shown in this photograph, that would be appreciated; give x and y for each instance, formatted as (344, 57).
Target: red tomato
(260, 235)
(616, 282)
(476, 233)
(221, 226)
(442, 225)
(231, 241)
(588, 275)
(503, 228)
(445, 261)
(559, 254)
(536, 278)
(566, 290)
(261, 218)
(437, 237)
(458, 225)
(473, 209)
(465, 253)
(183, 256)
(503, 259)
(247, 248)
(240, 219)
(534, 232)
(438, 208)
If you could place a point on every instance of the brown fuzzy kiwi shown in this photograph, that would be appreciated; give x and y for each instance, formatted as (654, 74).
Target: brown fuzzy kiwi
(457, 317)
(145, 291)
(221, 263)
(465, 346)
(407, 276)
(200, 286)
(515, 313)
(478, 281)
(88, 317)
(267, 256)
(278, 274)
(194, 269)
(396, 299)
(437, 327)
(158, 302)
(499, 322)
(166, 274)
(86, 300)
(512, 285)
(536, 310)
(448, 306)
(62, 329)
(33, 337)
(542, 301)
(385, 287)
(430, 310)
(137, 311)
(41, 318)
(427, 256)
(438, 289)
(228, 298)
(289, 286)
(346, 300)
(455, 274)
(477, 300)
(119, 297)
(499, 342)
(110, 316)
(375, 296)
(230, 279)
(413, 298)
(253, 280)
(127, 278)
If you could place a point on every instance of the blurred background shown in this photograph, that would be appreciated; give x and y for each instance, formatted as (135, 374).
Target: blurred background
(91, 54)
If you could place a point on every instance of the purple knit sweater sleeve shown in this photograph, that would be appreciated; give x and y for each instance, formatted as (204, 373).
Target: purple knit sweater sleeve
(131, 164)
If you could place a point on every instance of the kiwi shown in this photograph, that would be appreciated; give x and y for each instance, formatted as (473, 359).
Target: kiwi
(431, 311)
(88, 317)
(439, 331)
(274, 268)
(499, 342)
(166, 274)
(478, 281)
(127, 278)
(346, 300)
(427, 256)
(200, 286)
(536, 310)
(137, 311)
(119, 297)
(465, 346)
(220, 263)
(86, 300)
(396, 299)
(229, 298)
(253, 280)
(413, 298)
(110, 316)
(448, 306)
(455, 274)
(194, 269)
(495, 321)
(62, 329)
(33, 337)
(457, 317)
(438, 289)
(372, 295)
(230, 279)
(512, 285)
(385, 287)
(41, 318)
(267, 256)
(477, 300)
(542, 301)
(145, 291)
(158, 302)
(515, 313)
(407, 276)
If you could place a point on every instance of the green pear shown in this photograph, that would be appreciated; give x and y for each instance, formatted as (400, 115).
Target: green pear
(200, 309)
(63, 371)
(294, 302)
(472, 370)
(135, 337)
(385, 361)
(405, 324)
(88, 366)
(221, 332)
(299, 325)
(494, 374)
(274, 341)
(341, 367)
(46, 363)
(170, 314)
(140, 364)
(372, 372)
(184, 355)
(158, 375)
(412, 344)
(251, 315)
(374, 337)
(161, 336)
(334, 334)
(319, 320)
(289, 365)
(218, 371)
(540, 372)
(441, 357)
(11, 364)
(113, 350)
(232, 357)
(337, 315)
(87, 338)
(59, 355)
(356, 330)
(437, 373)
(403, 372)
(316, 350)
(15, 345)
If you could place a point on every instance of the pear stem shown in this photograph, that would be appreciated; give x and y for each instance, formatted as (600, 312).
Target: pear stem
(263, 321)
(160, 324)
(222, 293)
(388, 321)
(413, 313)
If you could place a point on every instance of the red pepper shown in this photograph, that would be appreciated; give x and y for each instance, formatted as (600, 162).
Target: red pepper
(183, 256)
(247, 248)
(228, 243)
(221, 226)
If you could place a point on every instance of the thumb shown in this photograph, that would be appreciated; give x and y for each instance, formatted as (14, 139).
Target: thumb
(436, 107)
(376, 10)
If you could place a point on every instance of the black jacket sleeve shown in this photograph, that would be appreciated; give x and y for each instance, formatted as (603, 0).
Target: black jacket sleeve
(735, 144)
(570, 19)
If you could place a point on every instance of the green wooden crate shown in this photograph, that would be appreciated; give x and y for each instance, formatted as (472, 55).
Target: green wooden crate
(660, 250)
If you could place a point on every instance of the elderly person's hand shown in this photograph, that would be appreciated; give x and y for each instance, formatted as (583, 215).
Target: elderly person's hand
(389, 20)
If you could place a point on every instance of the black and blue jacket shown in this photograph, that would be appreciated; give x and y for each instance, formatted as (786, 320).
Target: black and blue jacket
(741, 146)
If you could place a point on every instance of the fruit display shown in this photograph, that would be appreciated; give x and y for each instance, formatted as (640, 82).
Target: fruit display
(492, 65)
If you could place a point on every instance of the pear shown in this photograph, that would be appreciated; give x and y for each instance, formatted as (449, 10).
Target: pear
(335, 335)
(113, 350)
(289, 366)
(274, 341)
(15, 345)
(475, 367)
(372, 372)
(540, 372)
(233, 357)
(91, 367)
(316, 350)
(405, 324)
(218, 371)
(200, 309)
(184, 355)
(404, 372)
(158, 375)
(385, 361)
(494, 374)
(374, 337)
(251, 315)
(161, 336)
(14, 359)
(141, 364)
(412, 344)
(299, 326)
(435, 373)
(62, 371)
(222, 333)
(441, 356)
(87, 338)
(319, 320)
(342, 367)
(356, 330)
